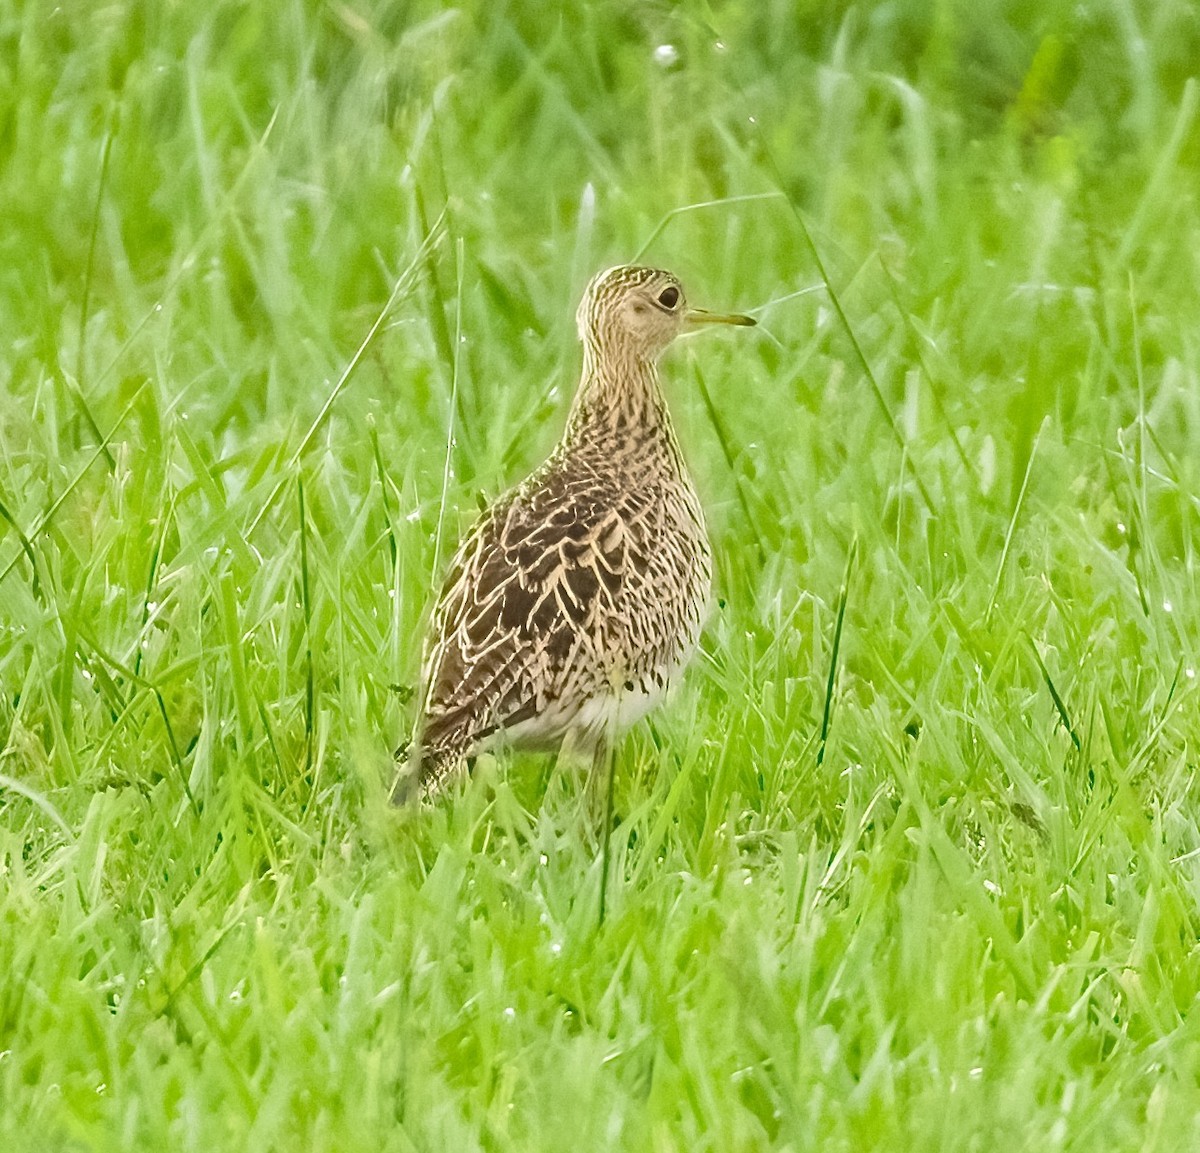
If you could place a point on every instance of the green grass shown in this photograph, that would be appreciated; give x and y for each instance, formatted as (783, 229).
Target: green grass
(964, 917)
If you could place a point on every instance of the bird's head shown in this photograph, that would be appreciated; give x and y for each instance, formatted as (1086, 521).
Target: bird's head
(639, 311)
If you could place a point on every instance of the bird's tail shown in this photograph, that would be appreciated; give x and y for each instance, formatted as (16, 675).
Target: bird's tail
(406, 783)
(422, 770)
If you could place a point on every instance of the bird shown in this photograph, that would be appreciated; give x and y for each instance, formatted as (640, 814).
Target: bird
(577, 598)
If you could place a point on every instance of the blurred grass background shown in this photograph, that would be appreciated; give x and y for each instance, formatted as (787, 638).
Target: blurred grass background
(931, 884)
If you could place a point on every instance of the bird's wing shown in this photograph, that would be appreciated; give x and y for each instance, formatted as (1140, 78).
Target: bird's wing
(515, 615)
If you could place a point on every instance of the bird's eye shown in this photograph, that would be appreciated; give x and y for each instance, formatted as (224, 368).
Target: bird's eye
(669, 297)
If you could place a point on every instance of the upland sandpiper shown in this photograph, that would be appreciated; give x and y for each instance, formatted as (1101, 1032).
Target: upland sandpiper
(578, 596)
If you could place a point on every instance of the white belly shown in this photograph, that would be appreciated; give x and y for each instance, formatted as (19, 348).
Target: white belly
(603, 716)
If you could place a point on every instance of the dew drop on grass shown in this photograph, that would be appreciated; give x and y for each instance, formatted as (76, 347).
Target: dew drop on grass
(543, 859)
(666, 55)
(1168, 607)
(510, 1014)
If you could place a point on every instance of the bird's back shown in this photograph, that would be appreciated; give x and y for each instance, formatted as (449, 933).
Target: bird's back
(571, 605)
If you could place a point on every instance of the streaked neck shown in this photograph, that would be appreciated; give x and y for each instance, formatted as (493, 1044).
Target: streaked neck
(618, 395)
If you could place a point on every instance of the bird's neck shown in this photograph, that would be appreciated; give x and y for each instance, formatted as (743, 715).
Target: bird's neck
(619, 403)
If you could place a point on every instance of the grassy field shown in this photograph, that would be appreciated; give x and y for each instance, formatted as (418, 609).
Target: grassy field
(911, 862)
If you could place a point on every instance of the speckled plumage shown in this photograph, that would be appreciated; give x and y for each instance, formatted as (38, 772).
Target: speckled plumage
(577, 598)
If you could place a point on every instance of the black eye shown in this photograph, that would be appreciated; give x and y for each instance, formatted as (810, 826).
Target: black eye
(669, 297)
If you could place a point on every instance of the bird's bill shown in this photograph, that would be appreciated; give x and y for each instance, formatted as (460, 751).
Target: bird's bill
(699, 316)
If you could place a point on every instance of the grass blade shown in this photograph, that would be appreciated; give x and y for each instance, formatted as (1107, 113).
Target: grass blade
(843, 595)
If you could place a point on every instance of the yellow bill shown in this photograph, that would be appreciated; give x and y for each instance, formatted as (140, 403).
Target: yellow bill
(700, 316)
